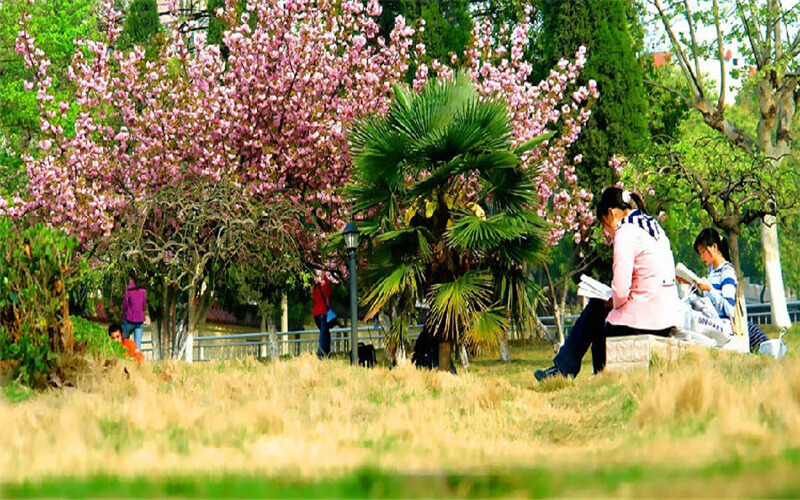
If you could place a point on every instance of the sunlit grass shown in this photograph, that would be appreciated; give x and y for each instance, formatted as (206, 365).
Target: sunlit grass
(714, 424)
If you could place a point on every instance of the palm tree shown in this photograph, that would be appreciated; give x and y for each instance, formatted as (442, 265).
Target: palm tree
(450, 215)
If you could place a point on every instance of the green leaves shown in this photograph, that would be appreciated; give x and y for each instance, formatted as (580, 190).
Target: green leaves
(471, 231)
(452, 211)
(403, 278)
(34, 323)
(452, 303)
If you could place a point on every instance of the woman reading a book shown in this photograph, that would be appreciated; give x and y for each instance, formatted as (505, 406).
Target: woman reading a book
(720, 286)
(643, 299)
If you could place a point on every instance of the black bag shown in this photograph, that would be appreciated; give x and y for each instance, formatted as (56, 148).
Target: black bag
(426, 350)
(366, 355)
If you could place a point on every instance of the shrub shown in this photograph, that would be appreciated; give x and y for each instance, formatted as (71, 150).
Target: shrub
(95, 340)
(35, 328)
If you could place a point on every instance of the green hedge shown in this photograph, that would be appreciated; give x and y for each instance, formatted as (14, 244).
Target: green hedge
(34, 311)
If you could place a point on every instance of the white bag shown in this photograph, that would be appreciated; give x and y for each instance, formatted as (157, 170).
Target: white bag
(775, 347)
(694, 338)
(714, 328)
(704, 305)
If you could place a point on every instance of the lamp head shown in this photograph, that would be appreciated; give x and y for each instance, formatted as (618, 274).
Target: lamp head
(350, 235)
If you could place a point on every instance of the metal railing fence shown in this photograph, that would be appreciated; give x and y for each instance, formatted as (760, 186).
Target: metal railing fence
(294, 343)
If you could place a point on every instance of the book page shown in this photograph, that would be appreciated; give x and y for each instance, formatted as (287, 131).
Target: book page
(685, 273)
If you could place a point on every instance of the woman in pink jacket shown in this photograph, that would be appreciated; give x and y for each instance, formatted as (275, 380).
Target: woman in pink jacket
(644, 297)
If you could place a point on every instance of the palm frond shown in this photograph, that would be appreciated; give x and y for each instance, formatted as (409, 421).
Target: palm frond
(471, 231)
(481, 126)
(403, 278)
(508, 188)
(414, 240)
(422, 115)
(453, 302)
(378, 152)
(487, 327)
(533, 143)
(439, 177)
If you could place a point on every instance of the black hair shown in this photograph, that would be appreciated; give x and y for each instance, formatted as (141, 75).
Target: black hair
(709, 236)
(132, 274)
(113, 327)
(612, 197)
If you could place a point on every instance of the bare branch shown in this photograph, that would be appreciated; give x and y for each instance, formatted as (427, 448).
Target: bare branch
(754, 45)
(720, 49)
(687, 11)
(672, 90)
(776, 28)
(683, 59)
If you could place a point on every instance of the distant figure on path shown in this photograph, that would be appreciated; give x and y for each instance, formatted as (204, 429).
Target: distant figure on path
(134, 305)
(321, 295)
(115, 332)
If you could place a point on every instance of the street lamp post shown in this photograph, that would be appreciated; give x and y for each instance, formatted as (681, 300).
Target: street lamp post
(350, 234)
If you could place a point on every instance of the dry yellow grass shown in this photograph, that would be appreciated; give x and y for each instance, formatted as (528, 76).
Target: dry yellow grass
(306, 418)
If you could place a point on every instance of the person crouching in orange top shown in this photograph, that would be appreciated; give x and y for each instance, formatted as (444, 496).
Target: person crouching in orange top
(115, 332)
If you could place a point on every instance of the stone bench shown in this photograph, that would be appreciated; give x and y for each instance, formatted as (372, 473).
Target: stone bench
(636, 351)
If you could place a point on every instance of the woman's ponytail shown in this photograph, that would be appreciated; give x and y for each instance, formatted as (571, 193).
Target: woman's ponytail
(615, 197)
(724, 249)
(639, 202)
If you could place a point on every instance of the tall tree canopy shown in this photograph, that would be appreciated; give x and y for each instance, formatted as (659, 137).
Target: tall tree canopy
(609, 30)
(141, 25)
(768, 36)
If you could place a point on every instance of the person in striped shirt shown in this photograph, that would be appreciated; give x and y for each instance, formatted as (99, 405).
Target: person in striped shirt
(720, 286)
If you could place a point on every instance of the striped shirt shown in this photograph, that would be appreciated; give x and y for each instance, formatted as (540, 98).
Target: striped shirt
(723, 289)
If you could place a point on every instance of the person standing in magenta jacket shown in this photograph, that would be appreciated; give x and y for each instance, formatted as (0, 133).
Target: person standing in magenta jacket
(134, 305)
(644, 298)
(321, 295)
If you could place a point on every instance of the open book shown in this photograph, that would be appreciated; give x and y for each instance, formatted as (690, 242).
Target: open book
(685, 273)
(593, 289)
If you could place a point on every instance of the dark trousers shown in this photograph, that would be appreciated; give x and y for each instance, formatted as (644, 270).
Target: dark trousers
(592, 330)
(756, 335)
(324, 348)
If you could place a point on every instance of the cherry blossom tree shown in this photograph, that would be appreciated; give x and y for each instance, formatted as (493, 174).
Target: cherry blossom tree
(270, 119)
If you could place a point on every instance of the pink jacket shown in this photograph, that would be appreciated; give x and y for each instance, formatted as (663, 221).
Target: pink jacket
(643, 288)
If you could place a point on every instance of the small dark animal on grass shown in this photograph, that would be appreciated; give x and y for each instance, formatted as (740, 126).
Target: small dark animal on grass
(366, 355)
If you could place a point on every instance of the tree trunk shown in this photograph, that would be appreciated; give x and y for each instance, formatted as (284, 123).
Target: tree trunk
(505, 354)
(772, 270)
(462, 353)
(285, 321)
(194, 309)
(445, 351)
(733, 244)
(274, 351)
(206, 297)
(778, 109)
(284, 312)
(558, 340)
(155, 339)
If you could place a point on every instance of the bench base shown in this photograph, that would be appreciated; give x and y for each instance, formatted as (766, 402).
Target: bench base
(636, 351)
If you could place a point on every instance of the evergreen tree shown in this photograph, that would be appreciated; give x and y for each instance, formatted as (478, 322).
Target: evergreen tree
(610, 31)
(215, 26)
(448, 24)
(141, 25)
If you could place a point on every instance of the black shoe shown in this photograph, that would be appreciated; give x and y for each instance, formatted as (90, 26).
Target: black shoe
(550, 372)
